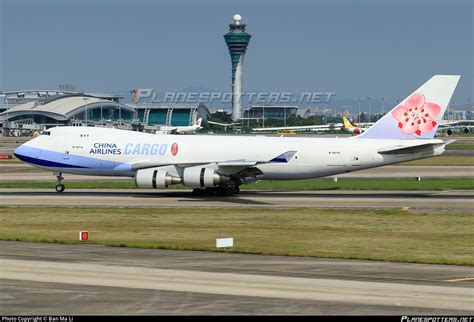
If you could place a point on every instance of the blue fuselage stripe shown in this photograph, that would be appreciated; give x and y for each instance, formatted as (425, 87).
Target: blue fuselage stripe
(53, 159)
(46, 163)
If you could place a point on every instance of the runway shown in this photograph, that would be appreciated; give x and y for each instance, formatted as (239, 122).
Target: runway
(26, 172)
(415, 200)
(92, 279)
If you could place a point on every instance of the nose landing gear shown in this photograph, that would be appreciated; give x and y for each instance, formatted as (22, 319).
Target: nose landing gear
(59, 186)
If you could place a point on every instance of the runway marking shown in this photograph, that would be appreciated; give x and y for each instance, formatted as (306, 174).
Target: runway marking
(376, 293)
(322, 274)
(461, 279)
(238, 269)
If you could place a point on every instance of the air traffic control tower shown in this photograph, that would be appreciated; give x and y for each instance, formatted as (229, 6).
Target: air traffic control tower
(237, 40)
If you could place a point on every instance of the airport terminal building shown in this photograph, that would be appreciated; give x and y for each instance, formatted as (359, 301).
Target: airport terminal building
(26, 112)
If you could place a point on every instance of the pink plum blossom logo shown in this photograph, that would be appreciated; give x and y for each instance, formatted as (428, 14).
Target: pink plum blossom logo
(417, 116)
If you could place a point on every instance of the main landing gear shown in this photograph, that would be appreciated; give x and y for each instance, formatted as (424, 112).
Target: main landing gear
(217, 191)
(59, 186)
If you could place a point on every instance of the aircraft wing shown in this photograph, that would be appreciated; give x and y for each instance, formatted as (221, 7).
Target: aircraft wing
(446, 123)
(222, 124)
(229, 166)
(248, 169)
(296, 128)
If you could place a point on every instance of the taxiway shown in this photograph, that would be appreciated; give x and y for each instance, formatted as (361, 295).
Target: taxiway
(92, 279)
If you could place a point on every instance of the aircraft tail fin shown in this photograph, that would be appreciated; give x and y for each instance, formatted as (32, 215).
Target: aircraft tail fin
(347, 124)
(198, 122)
(418, 116)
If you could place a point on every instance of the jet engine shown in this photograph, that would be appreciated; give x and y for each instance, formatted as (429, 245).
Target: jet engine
(203, 177)
(155, 178)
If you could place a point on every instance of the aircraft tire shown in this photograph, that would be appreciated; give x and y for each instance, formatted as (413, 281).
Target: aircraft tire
(229, 191)
(209, 191)
(60, 187)
(197, 192)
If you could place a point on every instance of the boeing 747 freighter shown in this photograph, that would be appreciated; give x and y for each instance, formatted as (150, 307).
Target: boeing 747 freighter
(220, 164)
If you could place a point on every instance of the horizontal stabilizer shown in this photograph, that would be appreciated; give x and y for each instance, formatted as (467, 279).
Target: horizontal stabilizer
(411, 149)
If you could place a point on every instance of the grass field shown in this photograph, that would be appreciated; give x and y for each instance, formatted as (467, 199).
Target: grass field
(460, 146)
(388, 235)
(320, 184)
(442, 160)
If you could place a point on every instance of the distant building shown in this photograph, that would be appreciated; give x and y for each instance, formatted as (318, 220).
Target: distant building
(24, 112)
(62, 109)
(265, 112)
(13, 98)
(314, 111)
(171, 114)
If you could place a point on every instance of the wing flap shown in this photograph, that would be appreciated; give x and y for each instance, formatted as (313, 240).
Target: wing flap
(228, 166)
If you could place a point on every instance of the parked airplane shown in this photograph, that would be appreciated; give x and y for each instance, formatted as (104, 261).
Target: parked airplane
(181, 129)
(317, 128)
(225, 125)
(348, 126)
(459, 126)
(220, 164)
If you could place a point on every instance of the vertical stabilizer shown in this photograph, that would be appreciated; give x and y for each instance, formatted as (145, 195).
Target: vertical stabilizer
(419, 115)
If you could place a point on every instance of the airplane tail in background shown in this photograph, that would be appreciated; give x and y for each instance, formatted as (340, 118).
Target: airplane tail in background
(347, 124)
(419, 115)
(198, 122)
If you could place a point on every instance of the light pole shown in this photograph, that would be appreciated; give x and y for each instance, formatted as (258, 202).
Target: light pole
(369, 98)
(358, 116)
(452, 103)
(7, 123)
(85, 100)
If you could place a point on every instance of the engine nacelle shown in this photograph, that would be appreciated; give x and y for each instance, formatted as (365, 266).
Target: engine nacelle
(466, 130)
(154, 178)
(203, 177)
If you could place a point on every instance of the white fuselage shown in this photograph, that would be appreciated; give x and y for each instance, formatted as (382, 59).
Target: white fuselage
(109, 152)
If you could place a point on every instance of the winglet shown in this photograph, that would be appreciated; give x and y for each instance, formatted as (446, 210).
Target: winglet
(285, 157)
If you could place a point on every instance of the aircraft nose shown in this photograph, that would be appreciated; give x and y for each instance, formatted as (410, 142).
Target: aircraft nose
(21, 153)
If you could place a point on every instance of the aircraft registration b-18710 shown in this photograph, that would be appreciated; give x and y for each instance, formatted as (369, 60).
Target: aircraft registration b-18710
(220, 164)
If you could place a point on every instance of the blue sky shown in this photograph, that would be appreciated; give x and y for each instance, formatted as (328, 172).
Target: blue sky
(354, 48)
